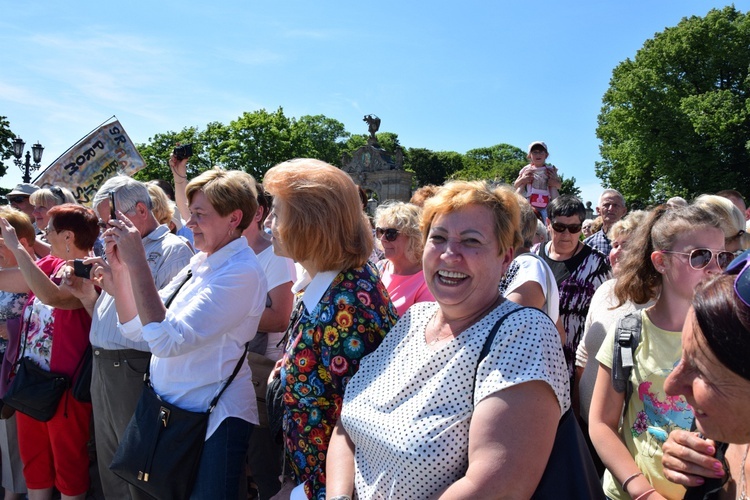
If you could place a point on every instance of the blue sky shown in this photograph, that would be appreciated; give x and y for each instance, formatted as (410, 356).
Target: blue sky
(447, 76)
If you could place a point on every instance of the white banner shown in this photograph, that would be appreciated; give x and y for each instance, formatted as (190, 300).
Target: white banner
(104, 153)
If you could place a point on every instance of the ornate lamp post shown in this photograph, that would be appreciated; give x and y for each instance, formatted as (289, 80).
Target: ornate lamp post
(27, 167)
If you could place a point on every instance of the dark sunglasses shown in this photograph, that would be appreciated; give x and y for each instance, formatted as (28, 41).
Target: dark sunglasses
(58, 193)
(739, 266)
(559, 227)
(390, 233)
(699, 258)
(17, 199)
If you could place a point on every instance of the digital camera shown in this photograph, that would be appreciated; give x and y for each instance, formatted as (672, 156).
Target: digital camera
(183, 151)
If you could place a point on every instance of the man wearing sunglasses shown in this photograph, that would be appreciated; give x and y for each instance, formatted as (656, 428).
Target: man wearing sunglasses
(612, 208)
(19, 198)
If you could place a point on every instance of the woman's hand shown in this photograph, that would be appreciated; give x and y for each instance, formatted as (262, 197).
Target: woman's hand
(178, 167)
(275, 372)
(688, 458)
(82, 288)
(10, 238)
(123, 243)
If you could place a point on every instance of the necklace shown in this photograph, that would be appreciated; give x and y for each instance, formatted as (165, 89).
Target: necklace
(458, 332)
(743, 486)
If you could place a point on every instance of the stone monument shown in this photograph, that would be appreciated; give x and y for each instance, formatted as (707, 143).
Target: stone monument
(379, 172)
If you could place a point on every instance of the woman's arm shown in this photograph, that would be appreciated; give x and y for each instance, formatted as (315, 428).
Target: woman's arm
(36, 279)
(179, 171)
(340, 463)
(510, 440)
(604, 419)
(275, 317)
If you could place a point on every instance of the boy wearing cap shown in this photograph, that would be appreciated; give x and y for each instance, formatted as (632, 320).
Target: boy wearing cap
(538, 181)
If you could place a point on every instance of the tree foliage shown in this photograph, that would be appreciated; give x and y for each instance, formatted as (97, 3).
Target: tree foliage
(499, 163)
(257, 140)
(6, 143)
(676, 119)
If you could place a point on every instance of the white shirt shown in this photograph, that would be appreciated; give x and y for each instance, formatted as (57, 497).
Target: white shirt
(533, 268)
(278, 270)
(408, 409)
(201, 340)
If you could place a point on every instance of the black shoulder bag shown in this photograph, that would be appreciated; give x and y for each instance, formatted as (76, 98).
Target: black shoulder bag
(34, 391)
(570, 473)
(161, 449)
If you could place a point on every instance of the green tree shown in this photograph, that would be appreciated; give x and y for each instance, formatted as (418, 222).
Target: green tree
(320, 137)
(6, 144)
(157, 150)
(676, 119)
(431, 167)
(569, 186)
(500, 163)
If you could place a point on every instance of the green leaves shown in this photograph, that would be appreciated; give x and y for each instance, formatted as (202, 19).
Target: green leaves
(675, 119)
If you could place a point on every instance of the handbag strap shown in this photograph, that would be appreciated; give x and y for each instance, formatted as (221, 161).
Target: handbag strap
(174, 294)
(215, 401)
(488, 342)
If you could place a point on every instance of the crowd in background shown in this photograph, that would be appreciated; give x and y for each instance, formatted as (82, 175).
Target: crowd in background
(429, 349)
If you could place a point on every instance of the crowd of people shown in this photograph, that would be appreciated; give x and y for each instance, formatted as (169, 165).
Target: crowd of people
(430, 350)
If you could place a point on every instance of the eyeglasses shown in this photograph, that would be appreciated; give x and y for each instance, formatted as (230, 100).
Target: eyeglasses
(390, 233)
(17, 199)
(559, 227)
(50, 229)
(700, 258)
(538, 151)
(739, 266)
(102, 225)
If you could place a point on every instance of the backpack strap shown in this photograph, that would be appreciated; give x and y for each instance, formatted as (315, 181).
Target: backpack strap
(626, 340)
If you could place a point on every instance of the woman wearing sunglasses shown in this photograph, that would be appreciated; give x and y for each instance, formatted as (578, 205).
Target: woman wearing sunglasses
(714, 377)
(578, 269)
(668, 255)
(397, 232)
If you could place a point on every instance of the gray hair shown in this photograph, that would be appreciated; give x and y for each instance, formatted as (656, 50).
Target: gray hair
(128, 193)
(614, 192)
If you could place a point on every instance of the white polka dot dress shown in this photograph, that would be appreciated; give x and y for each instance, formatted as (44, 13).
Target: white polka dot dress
(408, 408)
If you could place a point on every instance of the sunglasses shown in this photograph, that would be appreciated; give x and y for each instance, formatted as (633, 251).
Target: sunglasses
(699, 258)
(559, 227)
(17, 199)
(390, 233)
(739, 266)
(58, 193)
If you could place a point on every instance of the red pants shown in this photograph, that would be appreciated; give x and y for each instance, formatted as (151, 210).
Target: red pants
(54, 453)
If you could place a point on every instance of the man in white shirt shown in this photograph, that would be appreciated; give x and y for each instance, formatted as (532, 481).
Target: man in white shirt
(119, 363)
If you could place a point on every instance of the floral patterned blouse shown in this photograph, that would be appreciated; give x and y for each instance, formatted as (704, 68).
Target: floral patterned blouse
(323, 352)
(11, 305)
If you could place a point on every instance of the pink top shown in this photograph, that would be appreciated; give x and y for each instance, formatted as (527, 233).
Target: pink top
(404, 290)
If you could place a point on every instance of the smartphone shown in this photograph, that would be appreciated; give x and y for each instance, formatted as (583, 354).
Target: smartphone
(112, 207)
(82, 270)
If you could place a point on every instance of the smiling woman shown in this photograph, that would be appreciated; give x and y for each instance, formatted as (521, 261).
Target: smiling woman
(429, 364)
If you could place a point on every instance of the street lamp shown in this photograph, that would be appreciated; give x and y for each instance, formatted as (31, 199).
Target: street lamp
(27, 167)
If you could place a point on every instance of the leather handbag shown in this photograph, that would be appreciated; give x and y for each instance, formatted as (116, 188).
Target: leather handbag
(570, 473)
(162, 446)
(34, 391)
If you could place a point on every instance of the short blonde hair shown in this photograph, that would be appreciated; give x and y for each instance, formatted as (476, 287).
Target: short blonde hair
(323, 221)
(227, 191)
(21, 222)
(160, 204)
(731, 218)
(501, 201)
(404, 217)
(52, 196)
